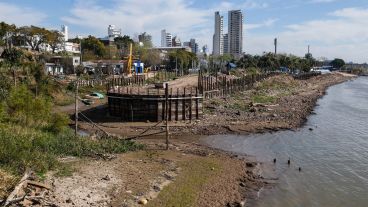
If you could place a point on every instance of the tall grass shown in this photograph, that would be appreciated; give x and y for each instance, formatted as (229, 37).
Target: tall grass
(22, 147)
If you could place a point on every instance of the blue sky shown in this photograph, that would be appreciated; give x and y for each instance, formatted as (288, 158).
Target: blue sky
(333, 28)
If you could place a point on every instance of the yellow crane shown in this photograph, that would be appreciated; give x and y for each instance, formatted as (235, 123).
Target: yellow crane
(130, 59)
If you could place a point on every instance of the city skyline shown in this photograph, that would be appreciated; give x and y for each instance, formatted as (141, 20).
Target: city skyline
(333, 28)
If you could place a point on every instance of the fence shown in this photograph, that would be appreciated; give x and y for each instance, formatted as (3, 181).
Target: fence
(212, 86)
(183, 104)
(91, 83)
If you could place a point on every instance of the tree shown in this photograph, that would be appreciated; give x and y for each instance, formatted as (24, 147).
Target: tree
(123, 44)
(94, 45)
(150, 57)
(12, 58)
(55, 39)
(338, 63)
(33, 36)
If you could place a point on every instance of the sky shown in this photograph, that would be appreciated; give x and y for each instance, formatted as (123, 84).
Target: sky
(332, 28)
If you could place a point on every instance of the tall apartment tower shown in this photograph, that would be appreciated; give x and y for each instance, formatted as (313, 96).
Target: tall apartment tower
(226, 43)
(64, 32)
(235, 32)
(218, 47)
(166, 39)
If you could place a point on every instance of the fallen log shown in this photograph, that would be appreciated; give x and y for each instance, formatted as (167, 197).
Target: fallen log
(38, 184)
(15, 194)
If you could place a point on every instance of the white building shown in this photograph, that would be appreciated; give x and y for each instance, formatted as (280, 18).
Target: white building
(218, 47)
(113, 32)
(65, 32)
(166, 39)
(235, 32)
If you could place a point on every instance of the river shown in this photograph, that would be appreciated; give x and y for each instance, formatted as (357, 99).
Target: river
(331, 149)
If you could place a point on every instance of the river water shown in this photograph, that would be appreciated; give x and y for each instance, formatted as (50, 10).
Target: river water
(331, 149)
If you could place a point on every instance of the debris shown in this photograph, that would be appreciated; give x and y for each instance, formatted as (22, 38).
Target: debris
(142, 201)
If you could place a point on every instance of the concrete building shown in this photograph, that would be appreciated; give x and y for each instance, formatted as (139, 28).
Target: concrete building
(226, 43)
(166, 39)
(65, 32)
(235, 32)
(194, 46)
(113, 32)
(218, 47)
(176, 42)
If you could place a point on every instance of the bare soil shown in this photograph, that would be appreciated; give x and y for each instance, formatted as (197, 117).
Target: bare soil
(131, 177)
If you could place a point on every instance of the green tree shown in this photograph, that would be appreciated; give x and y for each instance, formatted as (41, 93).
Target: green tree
(94, 46)
(12, 59)
(123, 44)
(33, 36)
(55, 39)
(338, 63)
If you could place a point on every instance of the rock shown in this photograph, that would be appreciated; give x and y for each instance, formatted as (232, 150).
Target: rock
(238, 113)
(249, 164)
(275, 115)
(129, 191)
(107, 178)
(242, 184)
(68, 200)
(142, 201)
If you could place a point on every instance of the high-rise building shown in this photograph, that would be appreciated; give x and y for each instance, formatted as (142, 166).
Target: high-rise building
(193, 46)
(166, 39)
(226, 43)
(64, 32)
(218, 48)
(176, 42)
(113, 32)
(235, 32)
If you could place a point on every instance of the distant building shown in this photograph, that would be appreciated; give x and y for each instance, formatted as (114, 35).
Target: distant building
(64, 32)
(61, 65)
(235, 32)
(176, 42)
(194, 46)
(226, 43)
(145, 38)
(218, 48)
(113, 32)
(166, 39)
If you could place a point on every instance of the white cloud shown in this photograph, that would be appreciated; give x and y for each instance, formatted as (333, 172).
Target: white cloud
(342, 34)
(266, 23)
(13, 14)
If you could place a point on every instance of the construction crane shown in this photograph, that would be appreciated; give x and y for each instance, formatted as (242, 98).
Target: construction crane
(130, 59)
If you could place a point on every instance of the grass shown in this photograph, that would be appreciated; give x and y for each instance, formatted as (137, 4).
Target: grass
(22, 148)
(263, 98)
(194, 175)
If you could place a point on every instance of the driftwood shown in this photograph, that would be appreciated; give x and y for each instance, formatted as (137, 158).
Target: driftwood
(19, 193)
(14, 195)
(41, 185)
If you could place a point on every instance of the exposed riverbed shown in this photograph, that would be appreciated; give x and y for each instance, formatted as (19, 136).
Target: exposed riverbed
(331, 149)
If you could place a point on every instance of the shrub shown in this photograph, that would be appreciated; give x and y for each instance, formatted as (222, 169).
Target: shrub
(59, 122)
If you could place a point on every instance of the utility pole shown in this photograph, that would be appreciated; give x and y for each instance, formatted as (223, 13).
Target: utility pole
(76, 107)
(167, 114)
(275, 43)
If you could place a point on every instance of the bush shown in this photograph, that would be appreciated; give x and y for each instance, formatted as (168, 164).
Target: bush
(59, 122)
(27, 109)
(22, 148)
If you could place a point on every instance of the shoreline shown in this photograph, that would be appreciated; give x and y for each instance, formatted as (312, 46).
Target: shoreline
(243, 178)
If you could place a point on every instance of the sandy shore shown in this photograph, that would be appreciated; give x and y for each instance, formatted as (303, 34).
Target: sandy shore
(164, 178)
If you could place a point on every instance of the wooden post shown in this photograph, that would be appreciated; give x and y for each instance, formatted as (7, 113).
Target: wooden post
(190, 105)
(170, 104)
(177, 105)
(183, 105)
(196, 102)
(167, 114)
(76, 109)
